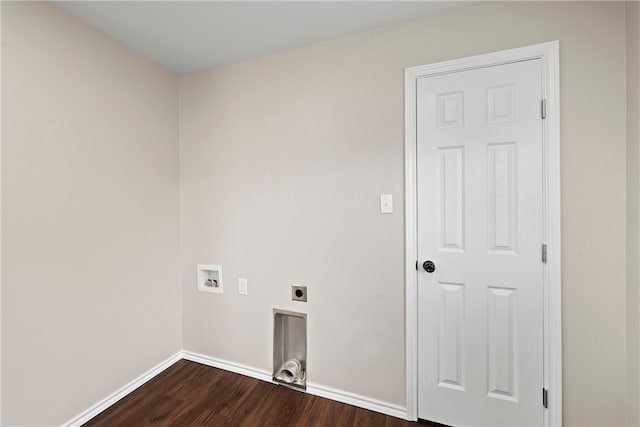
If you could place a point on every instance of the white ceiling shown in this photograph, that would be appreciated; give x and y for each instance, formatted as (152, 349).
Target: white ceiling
(190, 36)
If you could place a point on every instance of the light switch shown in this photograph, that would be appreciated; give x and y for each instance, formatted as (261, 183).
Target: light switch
(242, 286)
(386, 203)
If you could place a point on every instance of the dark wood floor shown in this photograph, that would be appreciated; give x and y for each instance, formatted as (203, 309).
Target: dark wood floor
(191, 394)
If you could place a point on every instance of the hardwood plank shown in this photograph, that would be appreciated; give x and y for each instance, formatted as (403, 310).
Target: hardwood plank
(191, 394)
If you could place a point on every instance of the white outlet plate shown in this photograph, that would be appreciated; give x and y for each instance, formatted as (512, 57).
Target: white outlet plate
(242, 287)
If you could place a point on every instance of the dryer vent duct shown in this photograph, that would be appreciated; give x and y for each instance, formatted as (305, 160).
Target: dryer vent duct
(291, 372)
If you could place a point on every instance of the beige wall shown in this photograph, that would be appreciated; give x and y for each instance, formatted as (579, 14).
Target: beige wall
(633, 211)
(282, 162)
(90, 215)
(283, 159)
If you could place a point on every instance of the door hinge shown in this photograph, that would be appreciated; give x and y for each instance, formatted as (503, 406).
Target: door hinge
(416, 265)
(545, 398)
(544, 253)
(543, 108)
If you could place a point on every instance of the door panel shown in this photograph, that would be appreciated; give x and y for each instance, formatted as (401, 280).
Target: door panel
(480, 220)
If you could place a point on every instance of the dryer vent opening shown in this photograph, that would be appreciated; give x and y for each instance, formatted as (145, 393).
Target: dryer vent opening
(290, 348)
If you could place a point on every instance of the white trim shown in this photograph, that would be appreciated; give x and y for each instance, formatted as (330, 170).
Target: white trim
(228, 366)
(411, 244)
(122, 392)
(549, 54)
(259, 374)
(0, 216)
(357, 400)
(553, 226)
(314, 389)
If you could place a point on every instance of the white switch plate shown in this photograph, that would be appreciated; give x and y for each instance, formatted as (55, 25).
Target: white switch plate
(242, 286)
(386, 203)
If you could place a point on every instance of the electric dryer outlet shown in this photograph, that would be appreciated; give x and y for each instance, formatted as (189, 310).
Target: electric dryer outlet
(298, 293)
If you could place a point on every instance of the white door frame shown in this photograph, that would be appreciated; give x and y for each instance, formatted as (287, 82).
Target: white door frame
(549, 55)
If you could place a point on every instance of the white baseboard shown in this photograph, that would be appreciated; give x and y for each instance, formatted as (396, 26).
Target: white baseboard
(227, 366)
(314, 389)
(122, 392)
(358, 400)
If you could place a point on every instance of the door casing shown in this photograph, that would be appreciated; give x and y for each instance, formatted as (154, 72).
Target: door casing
(549, 55)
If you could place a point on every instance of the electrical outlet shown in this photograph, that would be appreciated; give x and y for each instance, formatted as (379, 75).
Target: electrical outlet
(299, 293)
(242, 286)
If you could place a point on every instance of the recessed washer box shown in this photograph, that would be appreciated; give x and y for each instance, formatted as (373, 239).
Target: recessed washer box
(210, 278)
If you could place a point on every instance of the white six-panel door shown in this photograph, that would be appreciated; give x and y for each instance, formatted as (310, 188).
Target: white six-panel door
(480, 221)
